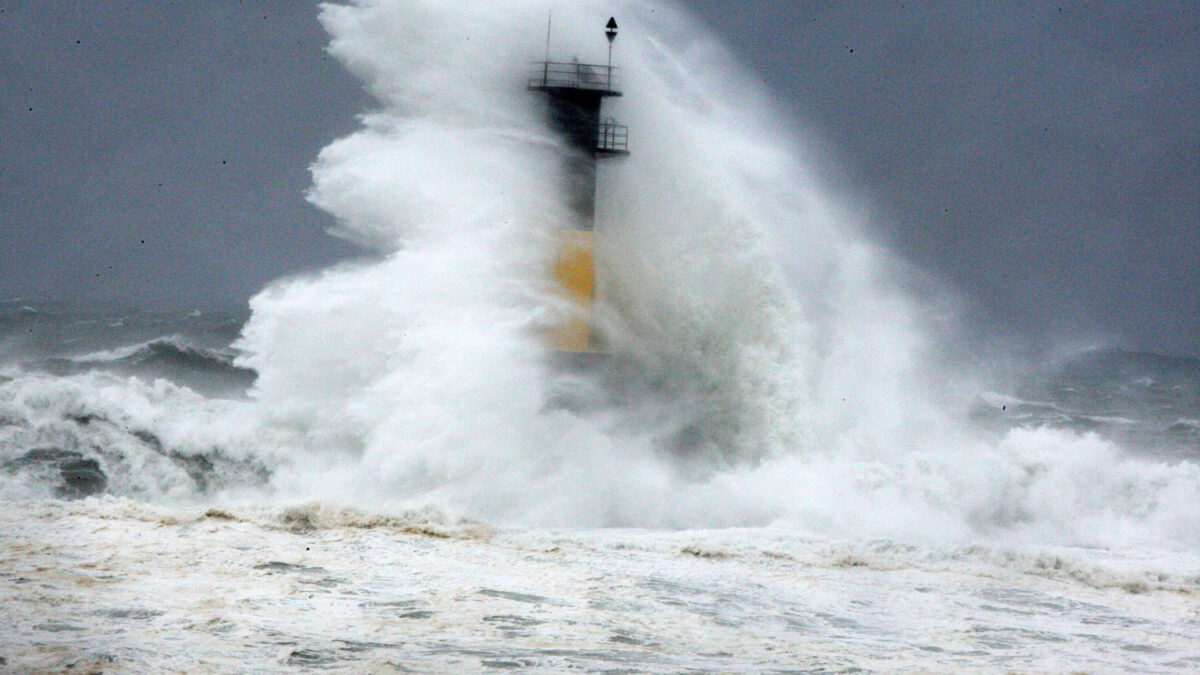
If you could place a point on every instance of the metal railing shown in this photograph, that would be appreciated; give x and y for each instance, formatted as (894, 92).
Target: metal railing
(612, 138)
(551, 74)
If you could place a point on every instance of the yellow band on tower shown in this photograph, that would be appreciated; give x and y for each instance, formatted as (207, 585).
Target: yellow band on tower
(575, 273)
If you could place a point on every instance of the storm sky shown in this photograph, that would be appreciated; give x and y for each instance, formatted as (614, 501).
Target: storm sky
(1042, 158)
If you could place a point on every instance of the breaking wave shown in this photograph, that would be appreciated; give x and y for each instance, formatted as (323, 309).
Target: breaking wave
(173, 357)
(769, 364)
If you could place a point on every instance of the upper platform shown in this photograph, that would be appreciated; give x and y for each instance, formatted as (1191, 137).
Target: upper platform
(553, 76)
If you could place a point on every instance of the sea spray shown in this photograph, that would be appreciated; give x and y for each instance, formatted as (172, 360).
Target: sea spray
(426, 367)
(770, 365)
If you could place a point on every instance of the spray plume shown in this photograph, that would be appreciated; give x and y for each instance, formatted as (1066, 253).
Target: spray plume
(768, 364)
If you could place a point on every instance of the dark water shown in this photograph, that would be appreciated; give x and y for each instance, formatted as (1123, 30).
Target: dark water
(1139, 399)
(1147, 403)
(71, 438)
(188, 347)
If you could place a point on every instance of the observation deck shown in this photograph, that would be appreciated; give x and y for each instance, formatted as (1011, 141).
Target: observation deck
(549, 76)
(575, 91)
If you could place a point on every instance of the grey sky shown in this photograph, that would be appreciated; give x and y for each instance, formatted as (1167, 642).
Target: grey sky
(157, 152)
(1041, 157)
(1044, 157)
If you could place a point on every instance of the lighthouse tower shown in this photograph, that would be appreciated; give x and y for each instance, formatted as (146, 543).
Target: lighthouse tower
(575, 93)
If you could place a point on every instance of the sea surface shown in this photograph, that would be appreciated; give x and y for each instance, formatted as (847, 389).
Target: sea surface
(102, 572)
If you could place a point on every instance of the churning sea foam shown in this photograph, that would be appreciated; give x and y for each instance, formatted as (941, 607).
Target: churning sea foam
(767, 367)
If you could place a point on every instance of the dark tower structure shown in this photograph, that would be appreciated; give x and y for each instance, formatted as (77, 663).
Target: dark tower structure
(575, 93)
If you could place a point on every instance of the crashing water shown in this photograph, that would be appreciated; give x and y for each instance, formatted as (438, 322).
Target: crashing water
(369, 470)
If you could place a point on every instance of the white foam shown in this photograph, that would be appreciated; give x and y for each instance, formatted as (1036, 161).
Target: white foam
(140, 433)
(760, 319)
(114, 584)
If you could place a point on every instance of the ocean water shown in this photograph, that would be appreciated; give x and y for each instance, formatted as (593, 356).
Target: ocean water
(799, 456)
